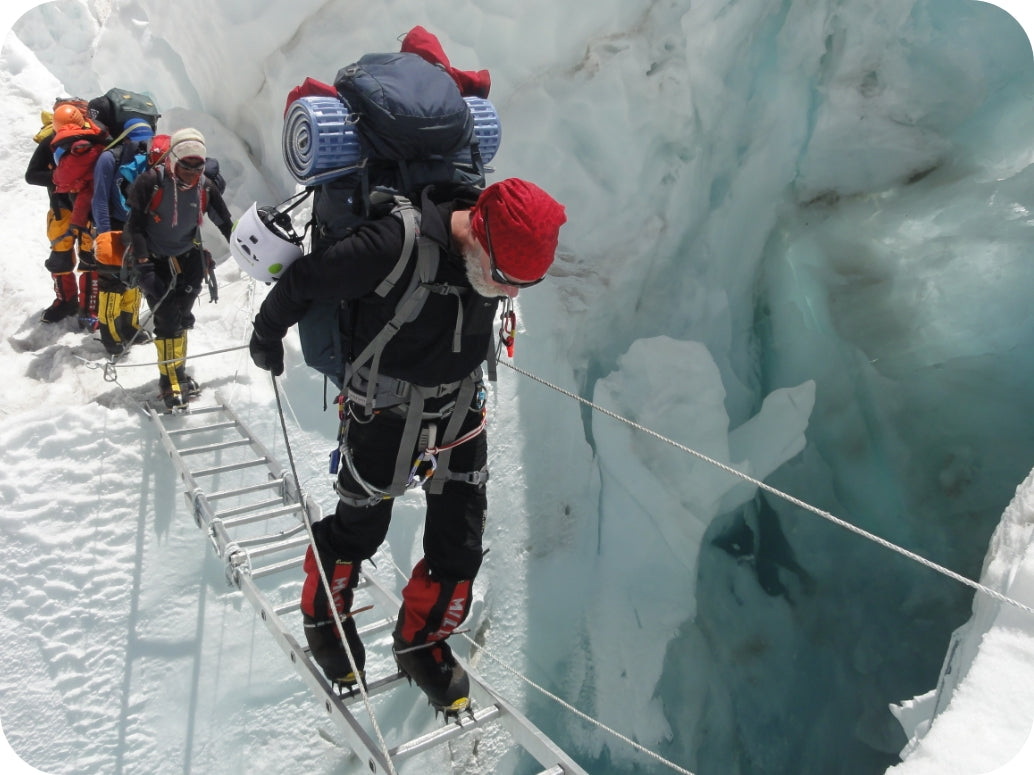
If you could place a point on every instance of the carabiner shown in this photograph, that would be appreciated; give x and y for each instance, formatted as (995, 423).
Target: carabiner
(508, 330)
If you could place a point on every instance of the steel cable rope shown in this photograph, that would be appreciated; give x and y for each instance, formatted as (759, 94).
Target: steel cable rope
(555, 698)
(780, 494)
(326, 582)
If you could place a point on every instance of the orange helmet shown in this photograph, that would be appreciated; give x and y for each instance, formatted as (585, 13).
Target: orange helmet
(67, 114)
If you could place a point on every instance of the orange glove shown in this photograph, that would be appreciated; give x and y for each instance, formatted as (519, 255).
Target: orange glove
(108, 248)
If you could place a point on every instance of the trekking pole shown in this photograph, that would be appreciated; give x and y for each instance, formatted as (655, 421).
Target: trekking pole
(324, 580)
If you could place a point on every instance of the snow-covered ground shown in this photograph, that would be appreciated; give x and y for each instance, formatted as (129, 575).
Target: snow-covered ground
(123, 648)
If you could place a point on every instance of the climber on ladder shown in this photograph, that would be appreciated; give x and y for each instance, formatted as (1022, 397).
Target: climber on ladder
(425, 385)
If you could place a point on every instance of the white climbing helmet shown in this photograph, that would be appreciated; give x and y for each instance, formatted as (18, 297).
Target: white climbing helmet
(264, 243)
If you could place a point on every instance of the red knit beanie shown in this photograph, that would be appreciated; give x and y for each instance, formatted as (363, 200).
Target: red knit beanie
(524, 222)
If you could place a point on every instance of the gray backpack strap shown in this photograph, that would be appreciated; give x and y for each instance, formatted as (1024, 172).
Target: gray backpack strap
(452, 431)
(408, 308)
(410, 217)
(410, 436)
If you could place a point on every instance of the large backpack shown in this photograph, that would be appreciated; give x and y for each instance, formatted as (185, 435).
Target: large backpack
(116, 106)
(409, 127)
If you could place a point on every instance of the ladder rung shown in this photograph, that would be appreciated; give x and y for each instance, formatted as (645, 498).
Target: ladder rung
(276, 567)
(462, 724)
(216, 426)
(291, 508)
(377, 626)
(196, 410)
(214, 447)
(272, 483)
(379, 686)
(231, 467)
(261, 540)
(287, 609)
(367, 629)
(267, 548)
(246, 508)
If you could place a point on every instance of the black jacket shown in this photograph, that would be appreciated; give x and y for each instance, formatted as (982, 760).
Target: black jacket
(350, 269)
(40, 172)
(150, 228)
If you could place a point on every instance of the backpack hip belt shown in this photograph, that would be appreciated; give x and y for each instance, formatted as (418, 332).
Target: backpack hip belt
(393, 395)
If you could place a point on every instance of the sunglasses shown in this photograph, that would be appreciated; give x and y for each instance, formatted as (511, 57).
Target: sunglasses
(191, 164)
(498, 276)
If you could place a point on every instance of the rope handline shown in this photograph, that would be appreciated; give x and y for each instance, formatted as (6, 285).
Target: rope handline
(780, 494)
(555, 698)
(568, 706)
(188, 357)
(326, 582)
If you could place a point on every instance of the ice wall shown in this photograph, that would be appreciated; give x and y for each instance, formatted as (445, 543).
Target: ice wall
(797, 224)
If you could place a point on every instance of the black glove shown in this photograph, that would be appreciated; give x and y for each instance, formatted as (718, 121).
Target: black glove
(267, 354)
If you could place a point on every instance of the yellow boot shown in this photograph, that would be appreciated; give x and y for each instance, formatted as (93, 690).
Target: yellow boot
(175, 386)
(129, 316)
(109, 305)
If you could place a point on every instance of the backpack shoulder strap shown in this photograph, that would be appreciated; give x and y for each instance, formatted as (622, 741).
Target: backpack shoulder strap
(412, 300)
(156, 190)
(410, 217)
(421, 285)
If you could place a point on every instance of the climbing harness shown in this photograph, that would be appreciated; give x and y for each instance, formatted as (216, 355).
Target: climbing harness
(430, 468)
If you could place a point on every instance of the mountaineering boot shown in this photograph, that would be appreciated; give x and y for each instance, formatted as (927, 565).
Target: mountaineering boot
(128, 322)
(173, 399)
(89, 299)
(324, 643)
(321, 632)
(435, 671)
(109, 305)
(432, 608)
(173, 384)
(66, 298)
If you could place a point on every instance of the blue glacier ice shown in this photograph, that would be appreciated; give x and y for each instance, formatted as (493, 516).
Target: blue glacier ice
(799, 244)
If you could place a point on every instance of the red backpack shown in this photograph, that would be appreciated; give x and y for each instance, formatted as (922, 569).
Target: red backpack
(76, 150)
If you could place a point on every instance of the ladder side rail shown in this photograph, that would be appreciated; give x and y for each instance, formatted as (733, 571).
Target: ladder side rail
(166, 441)
(358, 739)
(240, 573)
(524, 733)
(192, 490)
(436, 737)
(291, 491)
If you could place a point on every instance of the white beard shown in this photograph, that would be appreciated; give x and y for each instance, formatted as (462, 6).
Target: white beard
(476, 277)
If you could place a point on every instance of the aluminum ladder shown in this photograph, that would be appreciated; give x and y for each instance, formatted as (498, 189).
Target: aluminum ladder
(254, 514)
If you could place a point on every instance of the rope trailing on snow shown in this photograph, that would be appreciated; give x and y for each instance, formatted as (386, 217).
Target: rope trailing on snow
(326, 582)
(780, 494)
